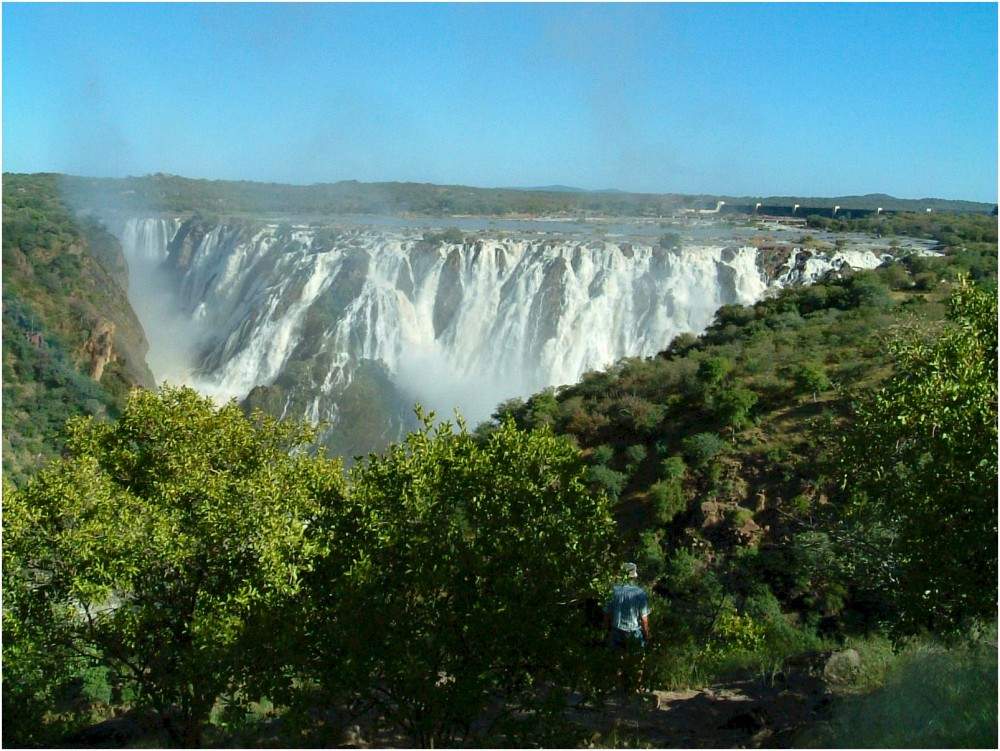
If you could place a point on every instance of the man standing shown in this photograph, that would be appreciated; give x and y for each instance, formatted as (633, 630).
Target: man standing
(626, 614)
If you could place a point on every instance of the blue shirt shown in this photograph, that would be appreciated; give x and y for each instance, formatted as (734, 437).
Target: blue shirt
(627, 606)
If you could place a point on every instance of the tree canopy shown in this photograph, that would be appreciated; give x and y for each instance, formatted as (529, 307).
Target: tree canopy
(920, 465)
(155, 546)
(459, 579)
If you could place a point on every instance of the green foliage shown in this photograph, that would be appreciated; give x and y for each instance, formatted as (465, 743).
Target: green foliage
(635, 454)
(673, 468)
(602, 454)
(42, 389)
(649, 554)
(734, 632)
(668, 500)
(713, 370)
(931, 483)
(811, 378)
(681, 344)
(63, 275)
(606, 480)
(453, 578)
(865, 289)
(933, 696)
(732, 407)
(165, 546)
(701, 448)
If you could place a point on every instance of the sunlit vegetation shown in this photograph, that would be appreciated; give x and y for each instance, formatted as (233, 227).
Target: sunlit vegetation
(62, 275)
(813, 472)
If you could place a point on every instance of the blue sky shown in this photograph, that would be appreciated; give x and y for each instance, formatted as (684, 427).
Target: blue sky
(740, 99)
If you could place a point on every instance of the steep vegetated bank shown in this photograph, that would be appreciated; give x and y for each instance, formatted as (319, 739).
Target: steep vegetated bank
(818, 465)
(72, 344)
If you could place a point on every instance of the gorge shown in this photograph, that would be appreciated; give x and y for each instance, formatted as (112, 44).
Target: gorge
(350, 324)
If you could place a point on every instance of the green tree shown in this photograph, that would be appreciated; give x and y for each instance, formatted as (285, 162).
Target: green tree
(673, 467)
(811, 378)
(602, 454)
(668, 499)
(459, 580)
(635, 455)
(606, 480)
(920, 464)
(165, 545)
(732, 407)
(701, 448)
(712, 371)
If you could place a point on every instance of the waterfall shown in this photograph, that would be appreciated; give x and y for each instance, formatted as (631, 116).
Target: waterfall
(463, 324)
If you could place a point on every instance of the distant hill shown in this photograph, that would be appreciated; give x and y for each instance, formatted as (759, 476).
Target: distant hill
(568, 189)
(161, 192)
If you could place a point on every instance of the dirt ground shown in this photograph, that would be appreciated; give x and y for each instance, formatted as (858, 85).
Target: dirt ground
(742, 714)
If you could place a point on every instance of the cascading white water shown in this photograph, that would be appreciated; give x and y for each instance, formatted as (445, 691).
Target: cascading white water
(455, 324)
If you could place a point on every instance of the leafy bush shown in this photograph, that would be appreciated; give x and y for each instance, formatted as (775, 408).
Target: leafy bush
(713, 370)
(195, 517)
(606, 480)
(867, 290)
(460, 557)
(673, 468)
(668, 500)
(926, 500)
(635, 454)
(925, 281)
(701, 448)
(811, 378)
(649, 554)
(602, 454)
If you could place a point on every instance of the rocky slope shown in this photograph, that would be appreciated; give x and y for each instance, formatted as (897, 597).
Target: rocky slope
(72, 343)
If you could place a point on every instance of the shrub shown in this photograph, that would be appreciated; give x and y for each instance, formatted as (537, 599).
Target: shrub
(925, 281)
(681, 344)
(713, 370)
(602, 454)
(607, 480)
(635, 454)
(649, 554)
(668, 500)
(460, 558)
(732, 407)
(811, 378)
(701, 448)
(193, 515)
(896, 276)
(673, 468)
(867, 290)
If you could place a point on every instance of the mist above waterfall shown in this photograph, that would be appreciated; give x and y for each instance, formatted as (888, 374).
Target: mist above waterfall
(173, 334)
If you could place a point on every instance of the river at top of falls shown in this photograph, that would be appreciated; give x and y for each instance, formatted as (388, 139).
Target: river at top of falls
(228, 307)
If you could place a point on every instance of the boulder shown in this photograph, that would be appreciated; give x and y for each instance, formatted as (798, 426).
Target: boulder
(842, 667)
(712, 513)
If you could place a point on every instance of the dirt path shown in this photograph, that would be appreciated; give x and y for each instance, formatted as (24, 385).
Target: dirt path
(742, 714)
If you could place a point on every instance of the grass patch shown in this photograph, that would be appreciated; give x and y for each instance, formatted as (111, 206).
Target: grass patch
(931, 696)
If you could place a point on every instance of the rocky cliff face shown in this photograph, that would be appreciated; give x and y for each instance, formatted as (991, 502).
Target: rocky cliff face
(295, 315)
(67, 320)
(100, 347)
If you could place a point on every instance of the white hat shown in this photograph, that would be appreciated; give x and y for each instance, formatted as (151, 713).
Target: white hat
(631, 570)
